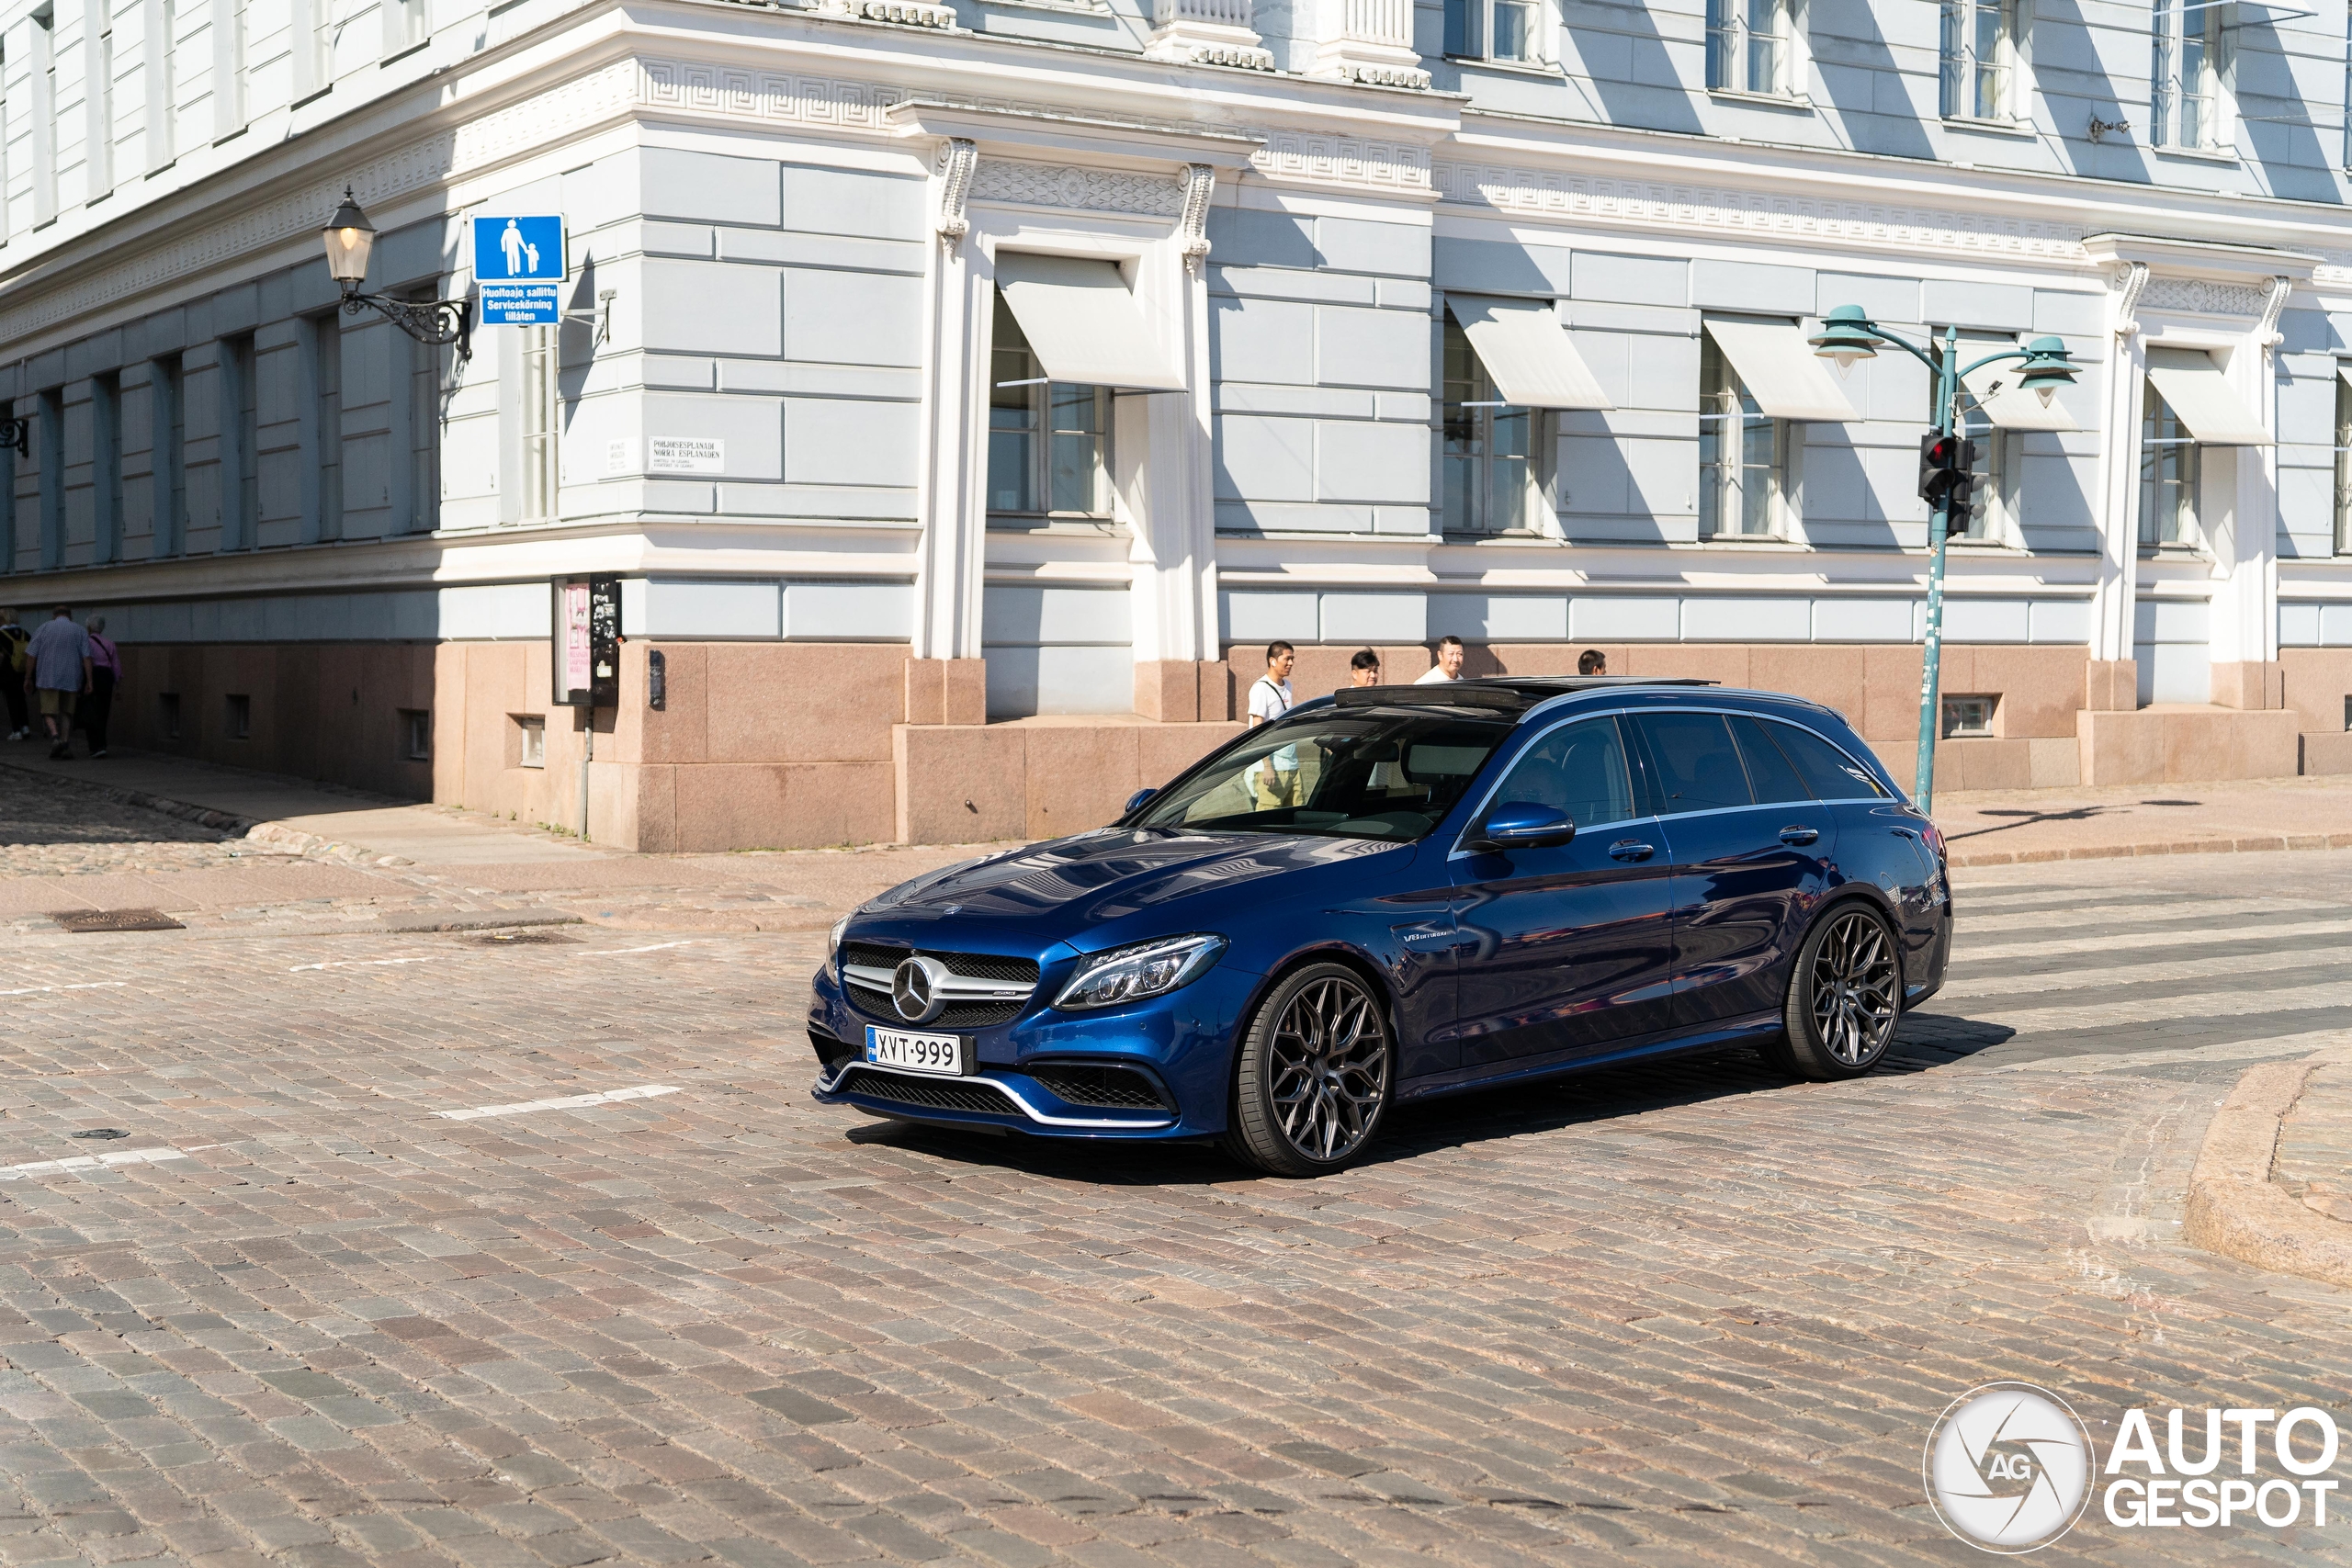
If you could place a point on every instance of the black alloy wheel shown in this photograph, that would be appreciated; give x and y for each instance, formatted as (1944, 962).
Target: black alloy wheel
(1314, 1074)
(1845, 995)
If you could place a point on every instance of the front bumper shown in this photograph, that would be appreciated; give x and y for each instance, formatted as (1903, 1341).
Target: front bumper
(1036, 1072)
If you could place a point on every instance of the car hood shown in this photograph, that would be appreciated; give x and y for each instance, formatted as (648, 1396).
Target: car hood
(1069, 889)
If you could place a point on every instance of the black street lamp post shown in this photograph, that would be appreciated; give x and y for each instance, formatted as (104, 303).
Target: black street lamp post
(349, 239)
(1945, 458)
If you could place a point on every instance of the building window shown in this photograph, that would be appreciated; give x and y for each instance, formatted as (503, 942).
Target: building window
(2190, 73)
(48, 434)
(541, 416)
(416, 735)
(1509, 31)
(1748, 46)
(1049, 442)
(240, 455)
(407, 24)
(158, 49)
(168, 416)
(1490, 472)
(326, 380)
(425, 365)
(1741, 465)
(1989, 491)
(167, 714)
(532, 734)
(229, 67)
(97, 155)
(1980, 60)
(1968, 715)
(2343, 466)
(105, 466)
(2168, 475)
(44, 116)
(239, 717)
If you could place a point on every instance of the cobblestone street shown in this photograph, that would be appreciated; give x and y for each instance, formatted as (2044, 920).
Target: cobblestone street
(303, 1314)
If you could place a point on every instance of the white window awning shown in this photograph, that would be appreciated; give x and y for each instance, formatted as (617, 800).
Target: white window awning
(1083, 323)
(2007, 404)
(1526, 353)
(1781, 371)
(2192, 386)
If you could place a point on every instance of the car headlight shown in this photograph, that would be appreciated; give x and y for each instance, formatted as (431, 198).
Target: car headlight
(1131, 974)
(833, 942)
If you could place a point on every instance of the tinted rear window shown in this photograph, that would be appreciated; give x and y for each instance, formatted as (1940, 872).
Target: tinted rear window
(1697, 768)
(1829, 772)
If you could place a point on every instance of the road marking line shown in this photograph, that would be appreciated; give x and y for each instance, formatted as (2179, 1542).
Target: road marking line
(569, 1102)
(2012, 987)
(367, 963)
(2165, 912)
(86, 986)
(1964, 950)
(89, 1162)
(616, 952)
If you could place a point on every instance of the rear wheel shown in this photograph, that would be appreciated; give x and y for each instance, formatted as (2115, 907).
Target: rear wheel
(1314, 1074)
(1845, 995)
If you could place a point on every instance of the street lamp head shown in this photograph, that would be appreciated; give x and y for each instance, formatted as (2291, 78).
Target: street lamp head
(349, 237)
(2046, 369)
(1846, 335)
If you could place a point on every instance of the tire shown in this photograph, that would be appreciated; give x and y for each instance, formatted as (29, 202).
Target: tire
(1316, 1073)
(1845, 995)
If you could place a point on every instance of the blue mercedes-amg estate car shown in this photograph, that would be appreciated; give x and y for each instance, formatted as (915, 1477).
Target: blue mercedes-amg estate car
(1400, 892)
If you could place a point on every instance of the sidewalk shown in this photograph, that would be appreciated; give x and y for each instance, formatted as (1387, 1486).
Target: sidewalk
(2009, 827)
(303, 816)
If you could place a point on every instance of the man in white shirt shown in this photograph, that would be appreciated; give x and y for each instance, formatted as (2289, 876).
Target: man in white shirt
(1448, 662)
(1276, 778)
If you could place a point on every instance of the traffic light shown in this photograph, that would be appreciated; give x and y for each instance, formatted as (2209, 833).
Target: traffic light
(1945, 462)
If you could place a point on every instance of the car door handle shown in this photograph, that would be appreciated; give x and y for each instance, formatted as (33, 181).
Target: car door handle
(1631, 848)
(1799, 834)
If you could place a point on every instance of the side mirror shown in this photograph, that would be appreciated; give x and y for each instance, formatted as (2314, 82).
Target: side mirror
(1519, 825)
(1135, 800)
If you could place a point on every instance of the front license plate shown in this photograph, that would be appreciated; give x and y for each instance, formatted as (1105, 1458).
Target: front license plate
(943, 1055)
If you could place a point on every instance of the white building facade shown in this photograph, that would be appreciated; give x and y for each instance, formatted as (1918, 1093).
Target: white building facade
(965, 394)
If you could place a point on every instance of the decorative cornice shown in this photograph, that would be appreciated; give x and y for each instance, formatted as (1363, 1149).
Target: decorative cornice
(386, 180)
(2203, 297)
(1344, 159)
(2268, 333)
(1679, 206)
(2128, 284)
(775, 97)
(1200, 185)
(957, 157)
(1088, 191)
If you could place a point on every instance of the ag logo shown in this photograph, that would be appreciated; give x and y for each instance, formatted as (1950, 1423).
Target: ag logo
(2008, 1467)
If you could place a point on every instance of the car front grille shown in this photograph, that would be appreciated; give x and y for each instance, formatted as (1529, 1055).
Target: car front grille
(871, 995)
(940, 1094)
(1122, 1089)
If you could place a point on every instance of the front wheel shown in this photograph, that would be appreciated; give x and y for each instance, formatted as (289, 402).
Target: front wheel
(1845, 995)
(1314, 1074)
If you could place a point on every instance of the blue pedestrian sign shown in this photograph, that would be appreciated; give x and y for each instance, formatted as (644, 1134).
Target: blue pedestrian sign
(519, 267)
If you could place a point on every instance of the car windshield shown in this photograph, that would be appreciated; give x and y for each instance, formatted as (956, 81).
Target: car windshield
(1353, 774)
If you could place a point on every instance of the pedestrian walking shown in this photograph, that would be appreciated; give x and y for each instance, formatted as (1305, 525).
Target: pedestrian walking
(1276, 778)
(106, 675)
(1592, 662)
(58, 661)
(13, 665)
(1448, 662)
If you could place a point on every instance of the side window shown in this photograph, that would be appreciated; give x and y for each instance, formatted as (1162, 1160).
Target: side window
(1832, 774)
(1697, 768)
(1579, 769)
(1768, 771)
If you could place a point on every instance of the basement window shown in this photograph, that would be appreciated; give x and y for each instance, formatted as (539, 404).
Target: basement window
(534, 730)
(240, 717)
(167, 714)
(416, 735)
(1968, 715)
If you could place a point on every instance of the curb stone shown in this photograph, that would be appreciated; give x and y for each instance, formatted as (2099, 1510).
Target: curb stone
(2235, 1209)
(272, 835)
(2254, 844)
